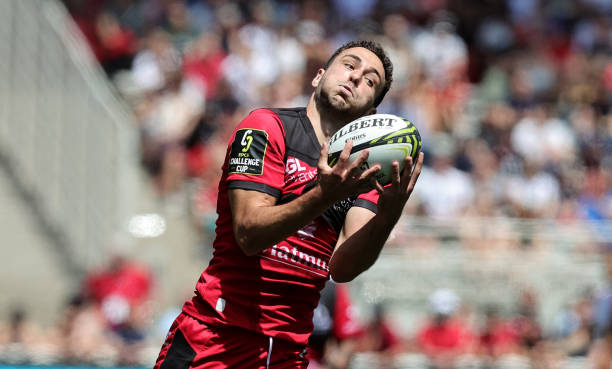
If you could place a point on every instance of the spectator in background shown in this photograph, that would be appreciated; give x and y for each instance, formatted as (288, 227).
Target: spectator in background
(380, 335)
(488, 182)
(543, 138)
(20, 337)
(600, 353)
(236, 70)
(122, 291)
(447, 191)
(443, 55)
(498, 336)
(172, 118)
(603, 299)
(336, 329)
(417, 104)
(445, 337)
(149, 68)
(496, 128)
(82, 334)
(440, 50)
(576, 326)
(113, 45)
(178, 25)
(20, 329)
(202, 63)
(592, 193)
(526, 322)
(535, 193)
(261, 38)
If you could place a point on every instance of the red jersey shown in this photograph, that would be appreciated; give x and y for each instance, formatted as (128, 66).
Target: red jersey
(452, 335)
(275, 292)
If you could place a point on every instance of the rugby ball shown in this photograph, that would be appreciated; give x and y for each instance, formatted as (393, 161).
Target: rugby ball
(387, 136)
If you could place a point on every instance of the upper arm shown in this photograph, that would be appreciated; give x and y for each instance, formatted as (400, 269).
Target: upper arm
(256, 154)
(356, 218)
(359, 214)
(244, 202)
(255, 168)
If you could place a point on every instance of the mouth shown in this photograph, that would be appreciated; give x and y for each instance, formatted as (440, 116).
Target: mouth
(347, 89)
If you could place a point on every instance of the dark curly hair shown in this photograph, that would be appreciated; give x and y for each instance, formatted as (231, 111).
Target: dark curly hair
(377, 49)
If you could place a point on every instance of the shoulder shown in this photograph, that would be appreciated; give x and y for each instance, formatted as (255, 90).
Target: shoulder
(271, 117)
(262, 114)
(261, 120)
(288, 113)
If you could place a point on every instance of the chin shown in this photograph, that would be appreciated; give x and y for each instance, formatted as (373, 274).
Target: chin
(339, 107)
(342, 104)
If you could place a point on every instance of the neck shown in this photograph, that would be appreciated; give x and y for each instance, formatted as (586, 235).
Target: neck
(324, 123)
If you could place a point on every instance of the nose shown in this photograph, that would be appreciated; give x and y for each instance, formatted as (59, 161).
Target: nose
(355, 76)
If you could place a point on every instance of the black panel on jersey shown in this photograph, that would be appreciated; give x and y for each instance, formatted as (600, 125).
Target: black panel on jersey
(336, 214)
(300, 138)
(362, 203)
(180, 355)
(254, 186)
(291, 196)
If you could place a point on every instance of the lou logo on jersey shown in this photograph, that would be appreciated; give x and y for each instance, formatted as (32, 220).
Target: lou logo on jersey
(248, 152)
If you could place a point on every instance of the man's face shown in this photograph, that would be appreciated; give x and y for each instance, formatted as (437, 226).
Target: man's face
(351, 83)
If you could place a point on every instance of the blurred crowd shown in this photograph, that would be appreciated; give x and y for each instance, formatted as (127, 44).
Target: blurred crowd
(512, 99)
(109, 322)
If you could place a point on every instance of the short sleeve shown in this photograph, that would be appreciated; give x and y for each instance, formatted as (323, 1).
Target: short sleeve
(368, 200)
(256, 153)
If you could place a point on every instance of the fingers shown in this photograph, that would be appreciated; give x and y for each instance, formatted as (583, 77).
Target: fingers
(405, 182)
(324, 155)
(345, 154)
(367, 178)
(407, 172)
(377, 186)
(370, 172)
(355, 169)
(416, 172)
(395, 174)
(362, 173)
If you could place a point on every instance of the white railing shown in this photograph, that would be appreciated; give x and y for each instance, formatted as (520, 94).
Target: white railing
(485, 261)
(67, 137)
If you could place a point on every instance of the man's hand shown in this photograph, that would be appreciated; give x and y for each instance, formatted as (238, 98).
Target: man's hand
(364, 234)
(345, 179)
(393, 198)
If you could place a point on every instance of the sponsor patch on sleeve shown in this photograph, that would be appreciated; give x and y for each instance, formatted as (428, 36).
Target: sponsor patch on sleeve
(248, 152)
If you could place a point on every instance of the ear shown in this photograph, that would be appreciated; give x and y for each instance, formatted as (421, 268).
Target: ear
(317, 78)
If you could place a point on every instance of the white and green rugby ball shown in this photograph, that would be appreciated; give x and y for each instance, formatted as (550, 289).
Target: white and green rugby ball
(388, 137)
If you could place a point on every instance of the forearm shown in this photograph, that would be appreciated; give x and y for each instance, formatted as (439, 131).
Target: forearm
(260, 227)
(358, 252)
(364, 234)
